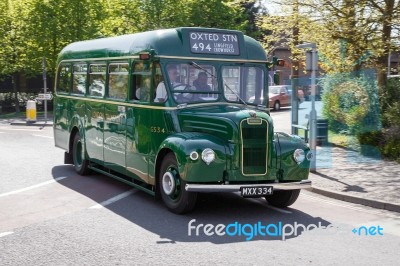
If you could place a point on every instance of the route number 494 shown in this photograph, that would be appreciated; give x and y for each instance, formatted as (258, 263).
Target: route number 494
(201, 46)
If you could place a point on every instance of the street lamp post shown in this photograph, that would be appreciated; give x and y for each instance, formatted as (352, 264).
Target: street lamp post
(313, 112)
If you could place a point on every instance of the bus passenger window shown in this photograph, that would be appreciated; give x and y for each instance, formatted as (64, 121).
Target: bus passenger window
(118, 81)
(97, 80)
(64, 79)
(79, 79)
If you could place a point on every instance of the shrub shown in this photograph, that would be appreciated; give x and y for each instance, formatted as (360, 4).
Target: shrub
(386, 141)
(351, 102)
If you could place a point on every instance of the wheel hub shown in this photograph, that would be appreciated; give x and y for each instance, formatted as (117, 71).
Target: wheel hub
(168, 183)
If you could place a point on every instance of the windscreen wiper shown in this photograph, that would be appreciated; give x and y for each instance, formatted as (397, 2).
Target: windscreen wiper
(212, 75)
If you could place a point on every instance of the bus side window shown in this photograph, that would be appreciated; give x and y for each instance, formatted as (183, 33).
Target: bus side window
(64, 78)
(118, 81)
(141, 81)
(79, 78)
(160, 93)
(97, 80)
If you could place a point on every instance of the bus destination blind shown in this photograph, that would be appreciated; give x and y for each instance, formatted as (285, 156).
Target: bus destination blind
(214, 43)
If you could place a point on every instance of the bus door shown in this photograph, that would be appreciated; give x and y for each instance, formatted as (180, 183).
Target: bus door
(115, 118)
(138, 142)
(139, 121)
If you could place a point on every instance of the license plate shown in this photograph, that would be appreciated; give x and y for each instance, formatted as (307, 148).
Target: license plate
(256, 191)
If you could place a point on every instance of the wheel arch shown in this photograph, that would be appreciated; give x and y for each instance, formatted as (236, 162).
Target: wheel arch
(160, 157)
(76, 126)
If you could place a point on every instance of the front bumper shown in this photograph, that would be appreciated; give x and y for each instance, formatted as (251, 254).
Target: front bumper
(236, 188)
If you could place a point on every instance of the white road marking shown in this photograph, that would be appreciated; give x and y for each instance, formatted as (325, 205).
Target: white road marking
(21, 129)
(42, 136)
(32, 187)
(2, 132)
(6, 234)
(113, 199)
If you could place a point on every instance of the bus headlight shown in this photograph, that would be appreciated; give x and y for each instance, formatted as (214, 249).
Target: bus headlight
(299, 156)
(208, 156)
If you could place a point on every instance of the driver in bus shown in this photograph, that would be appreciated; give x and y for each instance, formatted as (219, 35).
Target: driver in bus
(161, 91)
(201, 85)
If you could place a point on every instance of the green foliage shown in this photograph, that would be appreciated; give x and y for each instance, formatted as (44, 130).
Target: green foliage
(386, 141)
(13, 35)
(349, 34)
(55, 23)
(391, 103)
(351, 103)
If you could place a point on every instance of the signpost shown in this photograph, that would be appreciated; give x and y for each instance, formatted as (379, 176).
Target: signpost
(313, 114)
(45, 96)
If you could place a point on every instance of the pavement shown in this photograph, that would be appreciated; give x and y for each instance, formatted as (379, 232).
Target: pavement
(341, 173)
(347, 175)
(22, 121)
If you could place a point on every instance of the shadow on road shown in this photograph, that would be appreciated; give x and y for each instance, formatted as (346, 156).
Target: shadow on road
(212, 208)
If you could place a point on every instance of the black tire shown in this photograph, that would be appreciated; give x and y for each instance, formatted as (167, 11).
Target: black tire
(277, 106)
(81, 164)
(174, 195)
(283, 198)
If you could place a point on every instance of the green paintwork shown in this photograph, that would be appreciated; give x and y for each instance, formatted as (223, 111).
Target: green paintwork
(168, 42)
(132, 138)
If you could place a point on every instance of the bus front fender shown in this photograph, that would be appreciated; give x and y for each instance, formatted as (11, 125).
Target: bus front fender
(188, 149)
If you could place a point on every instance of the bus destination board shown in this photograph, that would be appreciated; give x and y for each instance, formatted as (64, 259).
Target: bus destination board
(214, 43)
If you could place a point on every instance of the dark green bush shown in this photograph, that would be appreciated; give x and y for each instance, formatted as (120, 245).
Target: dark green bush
(387, 142)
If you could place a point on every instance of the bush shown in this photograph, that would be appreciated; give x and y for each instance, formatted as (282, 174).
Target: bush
(386, 141)
(391, 103)
(351, 102)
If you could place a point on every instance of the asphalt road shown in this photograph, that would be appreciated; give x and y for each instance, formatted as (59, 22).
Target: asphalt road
(49, 215)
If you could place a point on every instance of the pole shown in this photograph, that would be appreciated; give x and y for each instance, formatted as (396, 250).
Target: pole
(313, 113)
(45, 88)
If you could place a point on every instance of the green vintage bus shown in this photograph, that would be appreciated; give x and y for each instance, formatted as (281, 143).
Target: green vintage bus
(176, 112)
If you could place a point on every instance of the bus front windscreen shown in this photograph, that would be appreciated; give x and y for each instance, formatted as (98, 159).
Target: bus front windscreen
(243, 84)
(192, 82)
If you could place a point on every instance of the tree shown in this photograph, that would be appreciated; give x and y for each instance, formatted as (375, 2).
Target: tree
(15, 42)
(350, 33)
(55, 23)
(254, 10)
(122, 17)
(158, 14)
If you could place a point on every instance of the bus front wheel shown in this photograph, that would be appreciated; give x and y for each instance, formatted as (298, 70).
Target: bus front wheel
(81, 165)
(283, 198)
(172, 187)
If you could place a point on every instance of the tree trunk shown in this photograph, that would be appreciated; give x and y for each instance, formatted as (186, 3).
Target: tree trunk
(15, 84)
(387, 18)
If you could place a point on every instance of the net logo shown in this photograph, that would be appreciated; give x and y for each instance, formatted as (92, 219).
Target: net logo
(368, 231)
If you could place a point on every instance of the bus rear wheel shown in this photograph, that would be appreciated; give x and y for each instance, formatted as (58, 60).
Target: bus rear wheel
(81, 165)
(172, 187)
(283, 198)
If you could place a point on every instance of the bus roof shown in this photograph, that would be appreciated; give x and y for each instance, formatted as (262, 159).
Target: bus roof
(178, 42)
